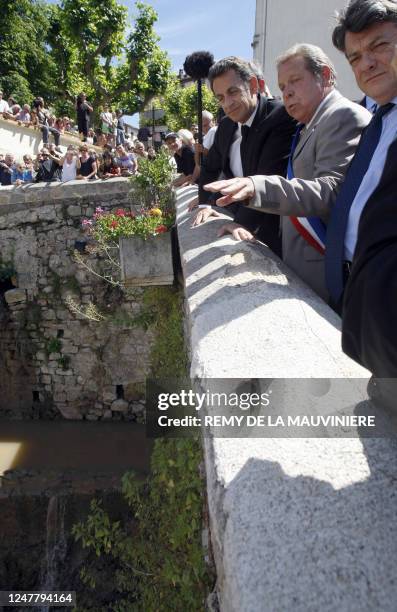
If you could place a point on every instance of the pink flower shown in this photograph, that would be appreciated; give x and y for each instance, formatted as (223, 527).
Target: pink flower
(99, 210)
(86, 222)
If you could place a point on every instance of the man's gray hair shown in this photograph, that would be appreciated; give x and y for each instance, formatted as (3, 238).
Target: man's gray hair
(360, 15)
(315, 59)
(239, 65)
(207, 115)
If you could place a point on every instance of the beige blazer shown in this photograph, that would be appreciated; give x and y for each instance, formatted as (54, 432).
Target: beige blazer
(320, 161)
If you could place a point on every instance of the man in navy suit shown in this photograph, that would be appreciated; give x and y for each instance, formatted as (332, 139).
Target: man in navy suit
(254, 138)
(367, 34)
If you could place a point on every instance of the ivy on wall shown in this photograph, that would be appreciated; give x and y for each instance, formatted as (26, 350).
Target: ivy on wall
(157, 561)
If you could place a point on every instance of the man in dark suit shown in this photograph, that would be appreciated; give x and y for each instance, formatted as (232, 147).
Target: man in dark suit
(254, 138)
(367, 34)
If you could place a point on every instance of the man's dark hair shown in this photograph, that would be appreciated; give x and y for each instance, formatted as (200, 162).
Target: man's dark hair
(239, 65)
(360, 15)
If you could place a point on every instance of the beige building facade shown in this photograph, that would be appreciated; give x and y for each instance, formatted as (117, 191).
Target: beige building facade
(279, 24)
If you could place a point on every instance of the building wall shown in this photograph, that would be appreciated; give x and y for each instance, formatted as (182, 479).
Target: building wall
(281, 23)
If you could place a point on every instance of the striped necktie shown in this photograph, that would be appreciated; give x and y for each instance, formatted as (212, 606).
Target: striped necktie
(336, 229)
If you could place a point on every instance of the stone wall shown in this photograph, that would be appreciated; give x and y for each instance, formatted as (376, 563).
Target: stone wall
(54, 361)
(302, 524)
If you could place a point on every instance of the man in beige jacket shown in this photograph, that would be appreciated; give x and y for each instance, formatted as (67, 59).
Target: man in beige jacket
(330, 130)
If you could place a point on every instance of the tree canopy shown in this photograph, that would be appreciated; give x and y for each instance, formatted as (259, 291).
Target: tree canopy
(180, 104)
(60, 50)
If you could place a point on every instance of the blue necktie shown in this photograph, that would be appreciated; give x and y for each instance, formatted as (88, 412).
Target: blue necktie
(336, 229)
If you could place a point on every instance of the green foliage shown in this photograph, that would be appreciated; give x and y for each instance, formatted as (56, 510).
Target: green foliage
(90, 40)
(53, 345)
(152, 182)
(168, 355)
(64, 362)
(157, 560)
(180, 104)
(26, 67)
(158, 565)
(59, 50)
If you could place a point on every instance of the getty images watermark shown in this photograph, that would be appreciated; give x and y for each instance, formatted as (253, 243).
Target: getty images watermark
(263, 408)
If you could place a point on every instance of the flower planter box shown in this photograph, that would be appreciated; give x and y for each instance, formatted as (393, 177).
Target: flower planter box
(146, 262)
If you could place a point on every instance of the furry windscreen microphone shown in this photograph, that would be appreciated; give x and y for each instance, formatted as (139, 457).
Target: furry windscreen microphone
(197, 64)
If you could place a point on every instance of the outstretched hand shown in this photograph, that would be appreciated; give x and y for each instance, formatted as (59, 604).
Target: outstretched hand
(232, 190)
(203, 214)
(238, 232)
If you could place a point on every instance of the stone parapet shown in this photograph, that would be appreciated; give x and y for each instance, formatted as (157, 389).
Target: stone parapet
(296, 524)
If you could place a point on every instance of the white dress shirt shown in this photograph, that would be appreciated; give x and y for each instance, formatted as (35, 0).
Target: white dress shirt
(234, 155)
(371, 179)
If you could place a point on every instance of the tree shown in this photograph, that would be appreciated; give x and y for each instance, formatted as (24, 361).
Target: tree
(180, 104)
(90, 46)
(26, 68)
(57, 51)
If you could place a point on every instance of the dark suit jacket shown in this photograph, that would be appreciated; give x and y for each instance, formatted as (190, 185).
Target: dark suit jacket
(268, 146)
(369, 321)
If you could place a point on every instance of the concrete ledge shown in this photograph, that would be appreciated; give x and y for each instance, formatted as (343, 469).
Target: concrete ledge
(20, 139)
(296, 524)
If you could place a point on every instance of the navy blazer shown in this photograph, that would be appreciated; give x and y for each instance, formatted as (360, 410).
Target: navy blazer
(369, 321)
(268, 147)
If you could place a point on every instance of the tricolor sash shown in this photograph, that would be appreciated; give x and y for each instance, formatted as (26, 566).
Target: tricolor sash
(312, 229)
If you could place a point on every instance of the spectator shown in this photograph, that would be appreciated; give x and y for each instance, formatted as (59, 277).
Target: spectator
(88, 164)
(28, 171)
(6, 169)
(107, 120)
(120, 136)
(60, 125)
(24, 114)
(109, 168)
(47, 169)
(151, 153)
(187, 137)
(91, 136)
(126, 161)
(209, 130)
(17, 174)
(83, 109)
(140, 149)
(183, 156)
(99, 138)
(69, 163)
(42, 116)
(3, 104)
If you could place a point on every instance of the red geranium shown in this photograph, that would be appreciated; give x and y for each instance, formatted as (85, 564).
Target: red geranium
(114, 224)
(161, 229)
(120, 212)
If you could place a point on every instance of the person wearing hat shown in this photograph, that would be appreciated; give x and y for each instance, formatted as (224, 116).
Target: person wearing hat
(184, 158)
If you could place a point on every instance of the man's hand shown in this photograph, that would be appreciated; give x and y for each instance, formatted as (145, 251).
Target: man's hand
(233, 190)
(193, 204)
(203, 214)
(237, 231)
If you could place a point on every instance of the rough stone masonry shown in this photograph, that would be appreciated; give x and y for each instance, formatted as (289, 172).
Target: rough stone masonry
(54, 361)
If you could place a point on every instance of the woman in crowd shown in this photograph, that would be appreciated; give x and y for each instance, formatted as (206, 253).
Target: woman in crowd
(107, 121)
(109, 167)
(69, 163)
(83, 109)
(88, 165)
(126, 161)
(151, 153)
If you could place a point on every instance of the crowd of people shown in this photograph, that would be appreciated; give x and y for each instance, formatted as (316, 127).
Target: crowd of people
(321, 168)
(104, 152)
